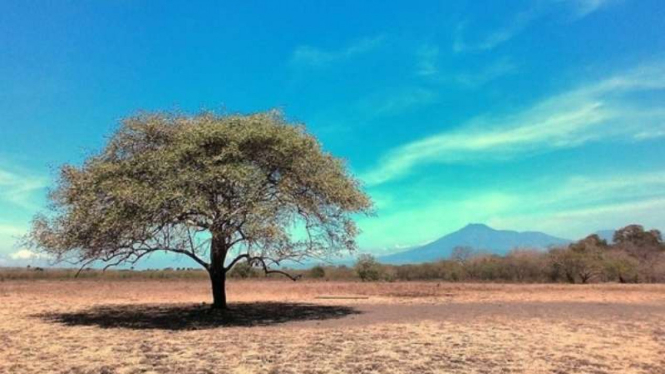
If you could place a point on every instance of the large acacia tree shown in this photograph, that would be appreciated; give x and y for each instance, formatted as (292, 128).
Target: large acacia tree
(219, 189)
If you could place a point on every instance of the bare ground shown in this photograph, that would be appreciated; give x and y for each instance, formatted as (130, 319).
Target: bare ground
(284, 327)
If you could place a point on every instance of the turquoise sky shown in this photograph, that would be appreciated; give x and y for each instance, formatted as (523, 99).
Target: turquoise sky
(529, 115)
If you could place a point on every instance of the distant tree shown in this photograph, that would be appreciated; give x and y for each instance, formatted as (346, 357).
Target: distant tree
(590, 255)
(483, 267)
(636, 235)
(317, 272)
(564, 264)
(591, 241)
(218, 189)
(462, 254)
(621, 266)
(367, 268)
(524, 264)
(645, 246)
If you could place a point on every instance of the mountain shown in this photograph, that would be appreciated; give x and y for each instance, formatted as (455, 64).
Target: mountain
(476, 236)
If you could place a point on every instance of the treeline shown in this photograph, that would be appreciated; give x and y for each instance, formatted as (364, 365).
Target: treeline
(38, 273)
(634, 256)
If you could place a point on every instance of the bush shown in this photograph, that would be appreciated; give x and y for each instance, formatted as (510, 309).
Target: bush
(621, 267)
(525, 265)
(367, 268)
(317, 272)
(242, 270)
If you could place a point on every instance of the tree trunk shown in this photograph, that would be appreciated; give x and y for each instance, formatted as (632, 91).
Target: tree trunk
(218, 279)
(218, 250)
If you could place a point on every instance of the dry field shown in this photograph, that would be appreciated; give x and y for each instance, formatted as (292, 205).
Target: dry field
(284, 327)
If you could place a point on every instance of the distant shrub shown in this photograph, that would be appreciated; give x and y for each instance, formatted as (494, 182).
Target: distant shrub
(317, 272)
(525, 265)
(242, 270)
(620, 267)
(367, 268)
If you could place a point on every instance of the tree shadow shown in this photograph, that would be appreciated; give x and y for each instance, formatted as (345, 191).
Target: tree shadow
(197, 316)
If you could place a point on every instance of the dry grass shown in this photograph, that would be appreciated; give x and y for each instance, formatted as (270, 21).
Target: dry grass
(281, 327)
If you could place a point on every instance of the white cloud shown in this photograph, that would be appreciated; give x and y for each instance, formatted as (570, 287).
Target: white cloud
(25, 254)
(23, 257)
(309, 56)
(602, 110)
(9, 235)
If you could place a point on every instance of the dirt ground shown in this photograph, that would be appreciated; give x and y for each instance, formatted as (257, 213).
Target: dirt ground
(330, 327)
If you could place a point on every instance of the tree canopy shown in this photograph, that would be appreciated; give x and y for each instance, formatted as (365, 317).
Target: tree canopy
(204, 186)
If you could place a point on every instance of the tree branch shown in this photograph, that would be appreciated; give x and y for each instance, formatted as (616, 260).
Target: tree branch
(267, 271)
(235, 260)
(83, 266)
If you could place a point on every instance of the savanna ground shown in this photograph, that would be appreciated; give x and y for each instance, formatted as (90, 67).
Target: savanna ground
(162, 326)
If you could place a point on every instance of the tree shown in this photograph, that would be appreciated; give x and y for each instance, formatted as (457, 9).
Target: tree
(621, 266)
(646, 247)
(583, 259)
(367, 268)
(317, 272)
(588, 255)
(563, 262)
(524, 264)
(636, 235)
(218, 189)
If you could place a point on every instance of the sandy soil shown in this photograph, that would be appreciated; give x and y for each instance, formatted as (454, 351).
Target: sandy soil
(285, 327)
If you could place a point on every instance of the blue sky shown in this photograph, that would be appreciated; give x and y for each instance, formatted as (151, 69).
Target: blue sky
(528, 115)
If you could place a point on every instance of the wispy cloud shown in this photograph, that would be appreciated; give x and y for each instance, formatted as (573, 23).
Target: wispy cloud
(582, 8)
(497, 69)
(427, 57)
(9, 235)
(496, 37)
(397, 101)
(309, 56)
(601, 110)
(413, 221)
(427, 66)
(568, 206)
(522, 20)
(18, 188)
(576, 223)
(589, 193)
(11, 230)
